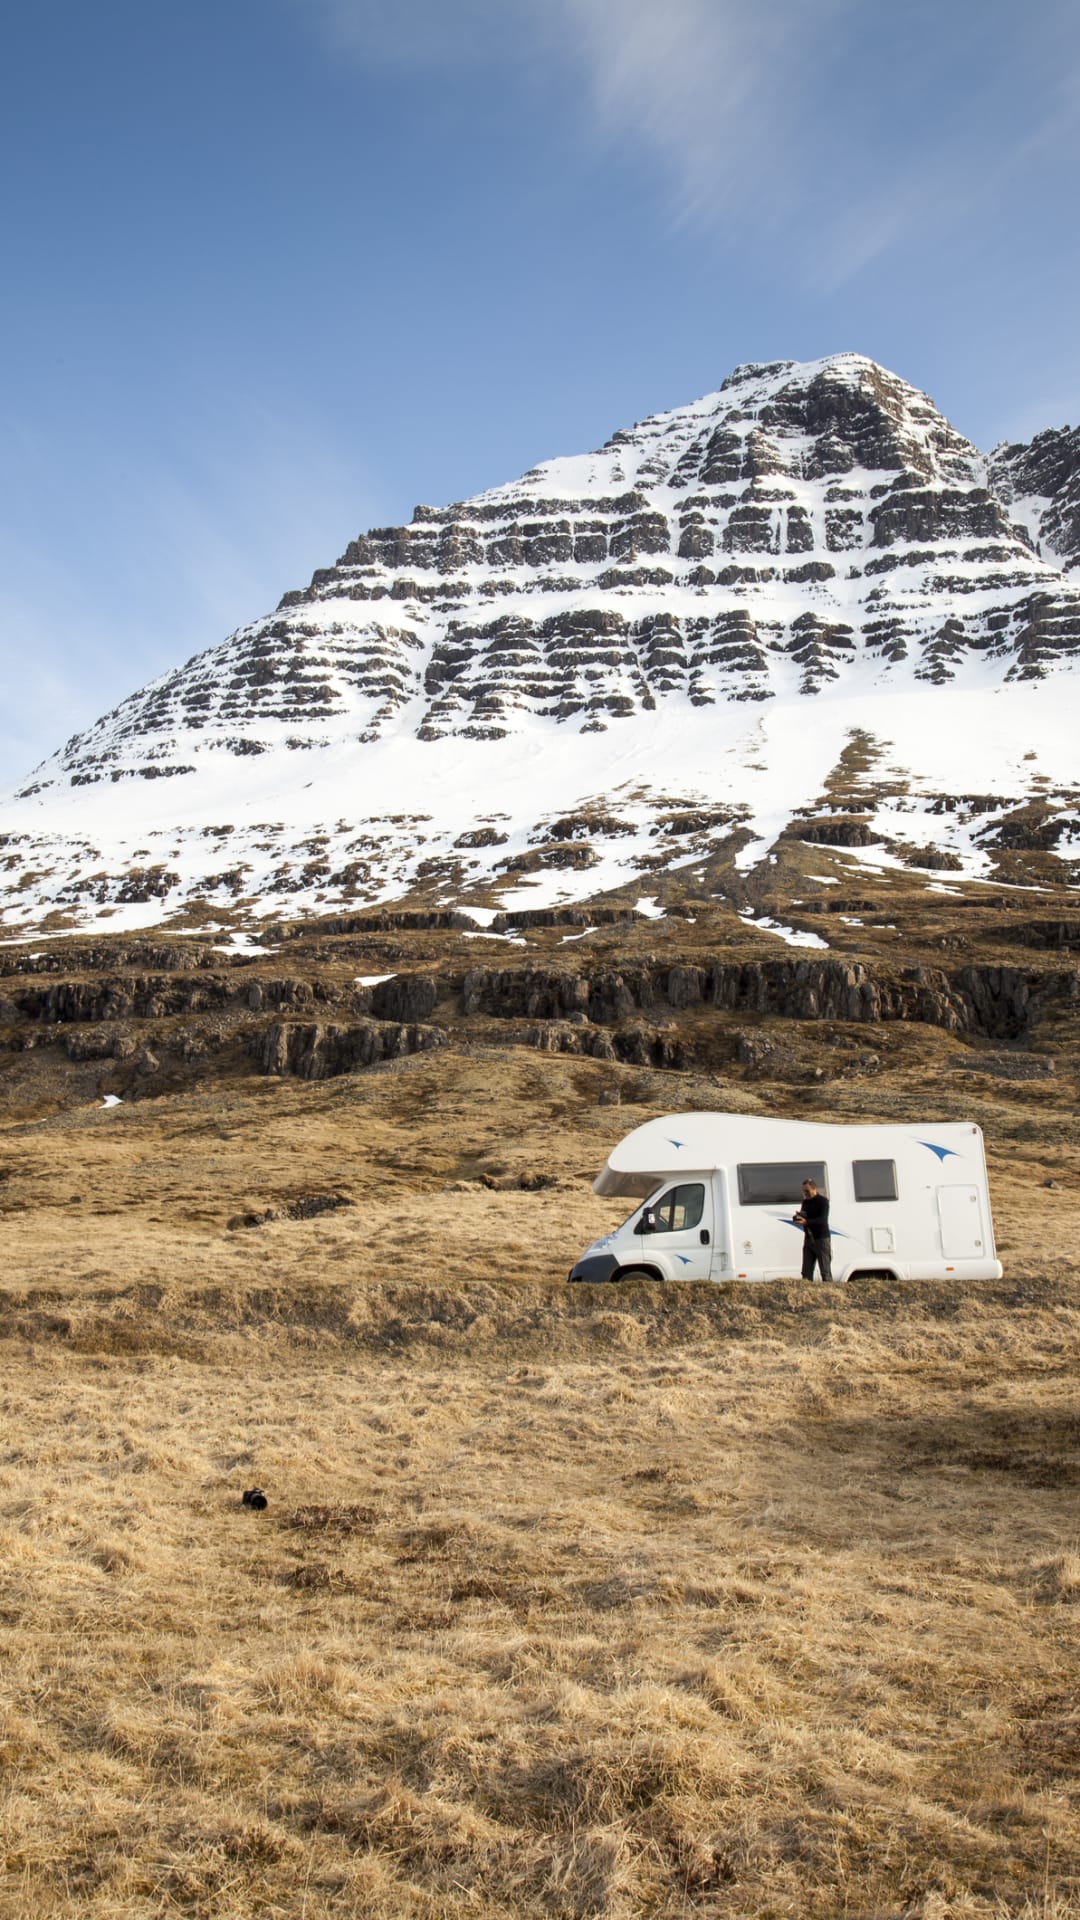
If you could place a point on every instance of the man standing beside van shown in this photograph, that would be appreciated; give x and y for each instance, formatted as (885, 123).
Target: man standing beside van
(814, 1221)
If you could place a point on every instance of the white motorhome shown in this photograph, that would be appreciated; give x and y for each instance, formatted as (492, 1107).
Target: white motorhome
(717, 1193)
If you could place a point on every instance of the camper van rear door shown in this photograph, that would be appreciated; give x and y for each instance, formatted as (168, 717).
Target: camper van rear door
(961, 1222)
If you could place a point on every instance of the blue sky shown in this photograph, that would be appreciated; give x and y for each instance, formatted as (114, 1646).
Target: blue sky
(274, 270)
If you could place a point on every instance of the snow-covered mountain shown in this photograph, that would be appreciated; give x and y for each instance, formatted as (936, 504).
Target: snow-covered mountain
(510, 699)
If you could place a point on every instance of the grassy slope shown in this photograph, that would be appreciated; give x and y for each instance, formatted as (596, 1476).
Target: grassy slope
(730, 1601)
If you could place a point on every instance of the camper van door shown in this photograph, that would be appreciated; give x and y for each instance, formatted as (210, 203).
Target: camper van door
(962, 1232)
(676, 1229)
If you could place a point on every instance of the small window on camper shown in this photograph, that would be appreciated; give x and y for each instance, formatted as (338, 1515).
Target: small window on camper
(680, 1208)
(874, 1179)
(778, 1182)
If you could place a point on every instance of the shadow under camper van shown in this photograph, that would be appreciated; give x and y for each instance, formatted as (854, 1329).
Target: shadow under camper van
(717, 1193)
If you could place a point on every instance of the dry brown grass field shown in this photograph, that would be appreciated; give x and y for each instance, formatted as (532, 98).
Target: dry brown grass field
(580, 1602)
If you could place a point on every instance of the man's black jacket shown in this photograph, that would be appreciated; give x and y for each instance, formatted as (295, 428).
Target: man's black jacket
(815, 1213)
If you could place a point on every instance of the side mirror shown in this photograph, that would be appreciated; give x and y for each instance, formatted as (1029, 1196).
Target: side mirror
(646, 1224)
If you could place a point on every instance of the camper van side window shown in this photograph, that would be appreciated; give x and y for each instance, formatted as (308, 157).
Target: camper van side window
(874, 1179)
(778, 1182)
(680, 1208)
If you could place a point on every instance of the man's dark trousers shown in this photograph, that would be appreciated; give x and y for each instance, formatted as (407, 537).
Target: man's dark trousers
(819, 1251)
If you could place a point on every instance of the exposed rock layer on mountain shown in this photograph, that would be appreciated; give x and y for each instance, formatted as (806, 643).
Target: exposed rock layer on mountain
(721, 592)
(698, 995)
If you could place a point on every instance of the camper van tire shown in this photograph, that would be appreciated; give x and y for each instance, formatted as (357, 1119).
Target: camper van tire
(637, 1273)
(872, 1273)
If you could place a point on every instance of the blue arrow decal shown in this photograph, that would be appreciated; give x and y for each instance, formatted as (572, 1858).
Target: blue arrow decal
(685, 1259)
(943, 1153)
(676, 1143)
(785, 1219)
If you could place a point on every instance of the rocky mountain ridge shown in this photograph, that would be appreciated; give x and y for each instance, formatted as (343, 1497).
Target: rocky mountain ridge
(810, 532)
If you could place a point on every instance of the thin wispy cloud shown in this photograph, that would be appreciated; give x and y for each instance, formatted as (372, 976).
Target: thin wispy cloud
(722, 93)
(717, 90)
(756, 111)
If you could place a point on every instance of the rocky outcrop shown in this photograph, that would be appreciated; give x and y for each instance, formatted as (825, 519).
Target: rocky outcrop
(322, 1052)
(1044, 934)
(158, 997)
(631, 1046)
(831, 830)
(403, 998)
(327, 1025)
(136, 956)
(409, 997)
(563, 917)
(994, 1001)
(1040, 480)
(406, 921)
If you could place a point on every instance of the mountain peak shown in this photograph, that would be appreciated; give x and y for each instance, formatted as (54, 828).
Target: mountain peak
(846, 365)
(810, 531)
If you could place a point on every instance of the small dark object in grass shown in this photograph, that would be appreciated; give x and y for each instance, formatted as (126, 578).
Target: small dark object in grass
(255, 1497)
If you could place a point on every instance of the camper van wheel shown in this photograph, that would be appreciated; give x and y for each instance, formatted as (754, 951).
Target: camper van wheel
(872, 1273)
(637, 1273)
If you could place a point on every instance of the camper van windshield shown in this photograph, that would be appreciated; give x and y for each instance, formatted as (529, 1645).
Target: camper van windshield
(776, 1182)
